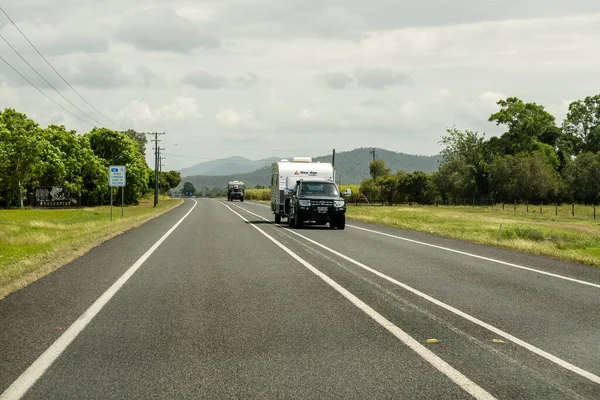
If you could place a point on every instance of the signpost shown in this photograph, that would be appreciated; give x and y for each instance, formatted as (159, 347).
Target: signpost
(116, 178)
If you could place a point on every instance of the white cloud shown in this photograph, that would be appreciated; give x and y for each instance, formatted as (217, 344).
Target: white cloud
(244, 119)
(393, 79)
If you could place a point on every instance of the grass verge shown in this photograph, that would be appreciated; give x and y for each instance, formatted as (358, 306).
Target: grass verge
(560, 237)
(36, 242)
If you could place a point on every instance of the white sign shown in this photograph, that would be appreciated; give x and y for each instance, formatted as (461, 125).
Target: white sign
(116, 175)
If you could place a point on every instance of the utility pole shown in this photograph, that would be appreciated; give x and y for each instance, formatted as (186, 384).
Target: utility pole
(374, 170)
(156, 163)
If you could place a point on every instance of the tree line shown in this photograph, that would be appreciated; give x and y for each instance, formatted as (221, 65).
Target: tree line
(32, 156)
(534, 160)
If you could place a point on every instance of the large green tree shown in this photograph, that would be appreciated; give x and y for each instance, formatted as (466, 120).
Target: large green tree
(527, 124)
(25, 155)
(85, 174)
(139, 138)
(116, 148)
(525, 176)
(583, 124)
(582, 177)
(464, 165)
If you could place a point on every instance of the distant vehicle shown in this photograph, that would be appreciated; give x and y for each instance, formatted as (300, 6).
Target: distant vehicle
(304, 191)
(235, 190)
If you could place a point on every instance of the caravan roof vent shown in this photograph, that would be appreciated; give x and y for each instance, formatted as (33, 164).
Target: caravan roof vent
(302, 159)
(285, 160)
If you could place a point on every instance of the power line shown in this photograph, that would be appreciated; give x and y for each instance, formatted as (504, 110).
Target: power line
(49, 84)
(39, 90)
(57, 73)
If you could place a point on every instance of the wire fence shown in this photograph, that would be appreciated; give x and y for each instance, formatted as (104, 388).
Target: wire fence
(573, 210)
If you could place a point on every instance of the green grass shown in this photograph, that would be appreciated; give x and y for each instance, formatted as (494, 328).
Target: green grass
(563, 236)
(34, 242)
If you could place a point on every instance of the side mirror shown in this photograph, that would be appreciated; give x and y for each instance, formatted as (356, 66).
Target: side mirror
(348, 193)
(287, 191)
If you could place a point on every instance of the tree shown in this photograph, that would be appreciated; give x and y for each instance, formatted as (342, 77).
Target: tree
(188, 189)
(370, 189)
(464, 165)
(84, 173)
(173, 178)
(116, 148)
(525, 176)
(581, 177)
(377, 169)
(388, 187)
(139, 138)
(24, 150)
(526, 122)
(583, 124)
(416, 186)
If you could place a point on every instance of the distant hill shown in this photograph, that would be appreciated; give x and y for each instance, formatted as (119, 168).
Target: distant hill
(227, 166)
(352, 167)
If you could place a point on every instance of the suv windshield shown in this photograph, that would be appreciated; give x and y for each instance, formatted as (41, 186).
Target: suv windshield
(319, 189)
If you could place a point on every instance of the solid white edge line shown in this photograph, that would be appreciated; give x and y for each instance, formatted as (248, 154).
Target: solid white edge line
(456, 376)
(558, 361)
(478, 257)
(35, 371)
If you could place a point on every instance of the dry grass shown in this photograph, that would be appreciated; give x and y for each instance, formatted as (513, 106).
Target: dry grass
(34, 243)
(564, 237)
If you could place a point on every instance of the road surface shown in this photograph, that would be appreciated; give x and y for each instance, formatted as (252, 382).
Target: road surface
(214, 300)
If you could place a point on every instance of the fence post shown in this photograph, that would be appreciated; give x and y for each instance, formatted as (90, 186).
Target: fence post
(555, 208)
(527, 205)
(573, 209)
(515, 206)
(541, 208)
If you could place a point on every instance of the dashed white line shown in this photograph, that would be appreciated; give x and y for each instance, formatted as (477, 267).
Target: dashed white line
(456, 376)
(28, 378)
(558, 361)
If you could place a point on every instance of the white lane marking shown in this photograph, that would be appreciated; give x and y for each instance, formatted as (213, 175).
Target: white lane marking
(41, 365)
(478, 257)
(537, 271)
(558, 361)
(457, 377)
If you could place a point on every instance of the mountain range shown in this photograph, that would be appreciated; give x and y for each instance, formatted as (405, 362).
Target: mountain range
(227, 166)
(352, 167)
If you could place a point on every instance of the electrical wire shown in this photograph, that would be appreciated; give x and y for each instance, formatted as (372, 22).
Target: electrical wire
(39, 90)
(57, 73)
(49, 84)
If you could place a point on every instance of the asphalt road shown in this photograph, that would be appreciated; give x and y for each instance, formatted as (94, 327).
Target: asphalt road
(213, 300)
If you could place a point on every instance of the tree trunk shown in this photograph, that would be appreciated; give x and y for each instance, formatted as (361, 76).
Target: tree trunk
(21, 194)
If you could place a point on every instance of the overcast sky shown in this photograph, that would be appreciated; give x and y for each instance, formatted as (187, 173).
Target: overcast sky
(261, 78)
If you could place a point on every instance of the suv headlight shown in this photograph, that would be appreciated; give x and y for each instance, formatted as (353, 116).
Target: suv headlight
(339, 203)
(304, 203)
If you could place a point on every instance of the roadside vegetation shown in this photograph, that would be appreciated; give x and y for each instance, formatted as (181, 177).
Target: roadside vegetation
(35, 242)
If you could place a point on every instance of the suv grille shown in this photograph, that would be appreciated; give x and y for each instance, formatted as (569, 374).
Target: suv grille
(322, 202)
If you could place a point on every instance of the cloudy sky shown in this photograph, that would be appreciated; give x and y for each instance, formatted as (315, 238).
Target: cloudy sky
(261, 78)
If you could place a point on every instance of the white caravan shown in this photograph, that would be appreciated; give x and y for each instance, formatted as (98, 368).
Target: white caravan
(285, 173)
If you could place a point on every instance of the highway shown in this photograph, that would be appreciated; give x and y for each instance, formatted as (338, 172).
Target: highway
(215, 300)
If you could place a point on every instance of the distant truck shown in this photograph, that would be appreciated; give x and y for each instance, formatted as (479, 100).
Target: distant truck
(305, 191)
(235, 190)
